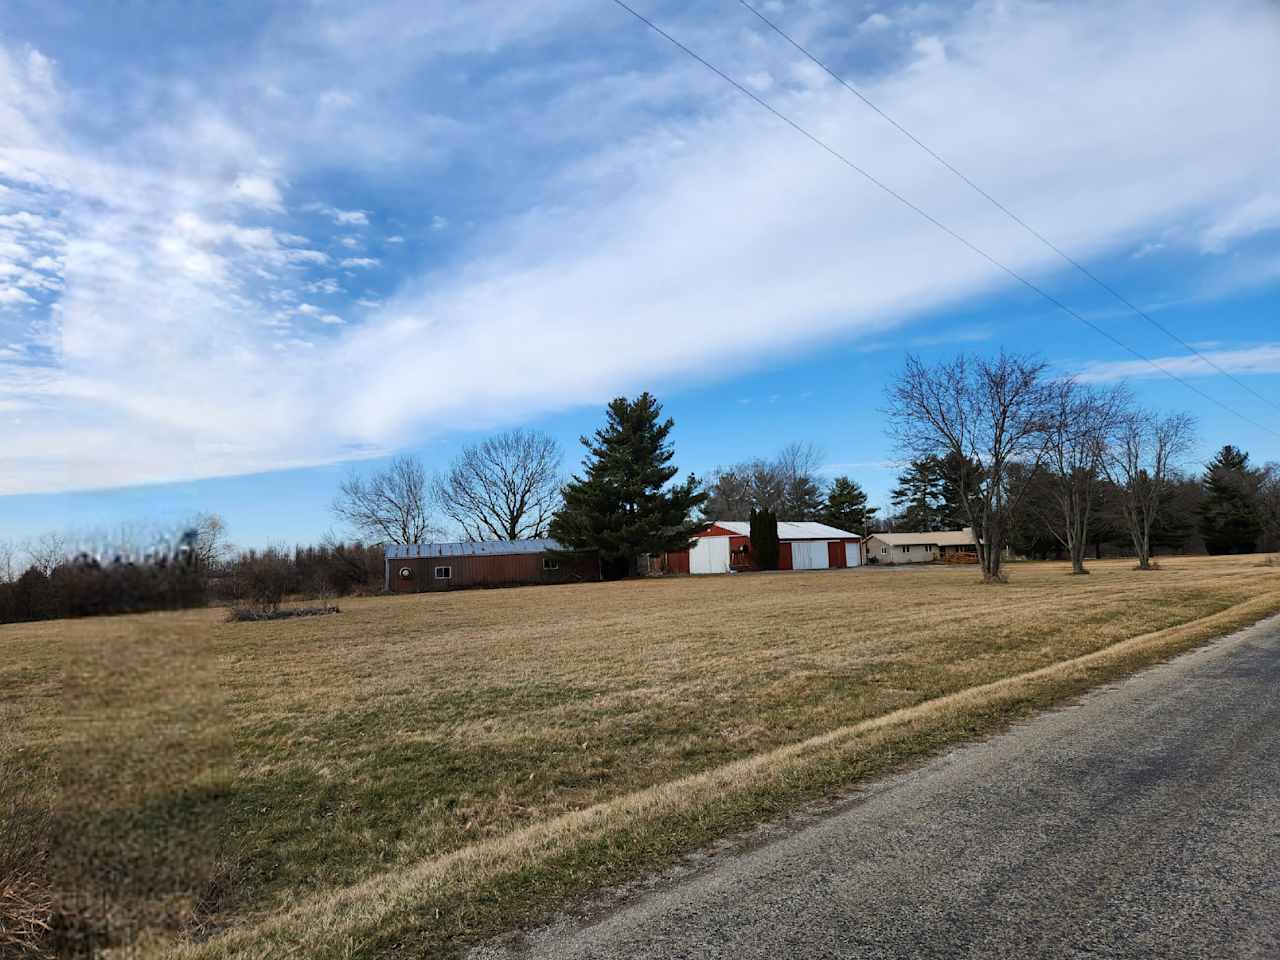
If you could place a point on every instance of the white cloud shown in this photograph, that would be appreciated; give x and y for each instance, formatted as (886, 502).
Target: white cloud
(331, 318)
(395, 239)
(326, 286)
(360, 263)
(1260, 359)
(1254, 216)
(686, 224)
(346, 218)
(439, 223)
(13, 297)
(875, 22)
(260, 191)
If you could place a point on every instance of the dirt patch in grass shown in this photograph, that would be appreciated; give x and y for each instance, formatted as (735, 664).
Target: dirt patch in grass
(426, 769)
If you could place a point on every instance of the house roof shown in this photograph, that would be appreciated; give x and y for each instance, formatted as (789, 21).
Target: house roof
(938, 538)
(792, 530)
(486, 548)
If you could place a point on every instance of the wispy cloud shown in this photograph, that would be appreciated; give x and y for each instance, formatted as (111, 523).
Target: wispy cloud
(681, 225)
(1260, 359)
(345, 218)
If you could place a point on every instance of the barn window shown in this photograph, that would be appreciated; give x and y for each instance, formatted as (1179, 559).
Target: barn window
(444, 573)
(406, 573)
(549, 564)
(884, 549)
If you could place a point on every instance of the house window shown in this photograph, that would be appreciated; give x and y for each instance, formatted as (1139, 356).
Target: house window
(884, 549)
(905, 549)
(549, 564)
(444, 573)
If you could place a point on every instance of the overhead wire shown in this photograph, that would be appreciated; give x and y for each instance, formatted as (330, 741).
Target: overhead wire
(1004, 209)
(871, 178)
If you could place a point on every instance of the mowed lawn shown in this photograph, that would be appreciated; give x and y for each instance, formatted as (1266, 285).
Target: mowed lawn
(199, 775)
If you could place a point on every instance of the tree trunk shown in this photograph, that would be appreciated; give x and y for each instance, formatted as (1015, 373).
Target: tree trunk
(1077, 558)
(1142, 548)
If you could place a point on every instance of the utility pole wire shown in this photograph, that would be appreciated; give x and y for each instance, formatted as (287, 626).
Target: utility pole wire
(933, 220)
(1003, 209)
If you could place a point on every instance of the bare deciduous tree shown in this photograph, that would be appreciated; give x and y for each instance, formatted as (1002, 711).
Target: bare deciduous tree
(8, 561)
(46, 551)
(988, 415)
(788, 485)
(506, 488)
(1140, 461)
(390, 506)
(211, 547)
(1080, 422)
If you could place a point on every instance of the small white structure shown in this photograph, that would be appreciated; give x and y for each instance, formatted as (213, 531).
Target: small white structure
(895, 548)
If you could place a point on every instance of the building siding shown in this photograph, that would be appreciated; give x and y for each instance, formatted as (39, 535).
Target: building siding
(490, 571)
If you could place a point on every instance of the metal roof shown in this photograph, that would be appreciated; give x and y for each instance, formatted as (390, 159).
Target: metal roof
(939, 538)
(485, 548)
(792, 530)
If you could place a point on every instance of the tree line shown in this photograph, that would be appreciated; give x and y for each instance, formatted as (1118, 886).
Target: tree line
(1047, 466)
(1024, 459)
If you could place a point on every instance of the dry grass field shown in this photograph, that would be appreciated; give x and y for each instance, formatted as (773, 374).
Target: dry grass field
(419, 771)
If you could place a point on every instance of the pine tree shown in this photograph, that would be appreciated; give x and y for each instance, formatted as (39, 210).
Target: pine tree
(918, 496)
(624, 504)
(764, 539)
(957, 474)
(846, 507)
(802, 499)
(1230, 519)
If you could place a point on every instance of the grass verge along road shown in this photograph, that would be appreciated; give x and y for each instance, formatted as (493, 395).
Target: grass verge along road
(419, 772)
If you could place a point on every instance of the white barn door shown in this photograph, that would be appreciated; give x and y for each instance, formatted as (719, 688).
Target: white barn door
(809, 555)
(852, 555)
(709, 555)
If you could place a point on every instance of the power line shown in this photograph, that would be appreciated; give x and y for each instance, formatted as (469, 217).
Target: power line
(933, 220)
(1005, 210)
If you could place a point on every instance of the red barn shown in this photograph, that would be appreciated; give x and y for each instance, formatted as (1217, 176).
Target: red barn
(417, 567)
(725, 545)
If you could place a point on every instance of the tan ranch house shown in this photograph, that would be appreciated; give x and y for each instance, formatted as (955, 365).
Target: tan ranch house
(947, 546)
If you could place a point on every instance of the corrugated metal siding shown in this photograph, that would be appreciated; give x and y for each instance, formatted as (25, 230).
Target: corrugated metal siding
(483, 548)
(490, 571)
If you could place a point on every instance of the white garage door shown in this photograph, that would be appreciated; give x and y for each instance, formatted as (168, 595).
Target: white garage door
(709, 555)
(852, 555)
(809, 555)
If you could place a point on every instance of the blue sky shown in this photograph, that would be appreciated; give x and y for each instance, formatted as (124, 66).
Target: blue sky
(245, 250)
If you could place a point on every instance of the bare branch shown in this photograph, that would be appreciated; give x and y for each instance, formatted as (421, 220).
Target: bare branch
(506, 488)
(390, 506)
(990, 417)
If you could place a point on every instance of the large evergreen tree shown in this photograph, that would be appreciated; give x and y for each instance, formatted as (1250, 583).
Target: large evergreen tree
(918, 496)
(1230, 518)
(624, 504)
(846, 507)
(958, 473)
(803, 499)
(764, 539)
